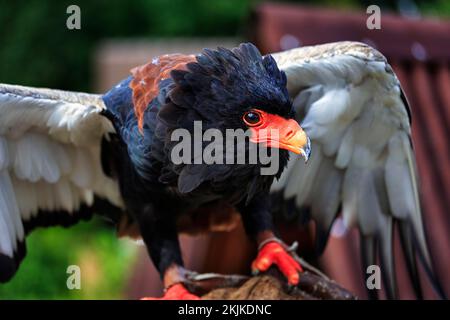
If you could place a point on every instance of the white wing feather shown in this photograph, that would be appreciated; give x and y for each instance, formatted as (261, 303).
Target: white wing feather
(350, 103)
(49, 157)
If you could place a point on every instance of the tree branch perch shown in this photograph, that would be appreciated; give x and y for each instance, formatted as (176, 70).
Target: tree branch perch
(313, 285)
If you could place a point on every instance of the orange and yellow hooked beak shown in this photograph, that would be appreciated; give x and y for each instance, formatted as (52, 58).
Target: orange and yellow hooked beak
(278, 132)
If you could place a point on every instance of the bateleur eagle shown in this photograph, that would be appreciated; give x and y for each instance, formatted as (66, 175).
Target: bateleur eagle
(65, 155)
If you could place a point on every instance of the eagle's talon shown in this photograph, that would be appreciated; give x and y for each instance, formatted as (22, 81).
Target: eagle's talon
(274, 253)
(176, 292)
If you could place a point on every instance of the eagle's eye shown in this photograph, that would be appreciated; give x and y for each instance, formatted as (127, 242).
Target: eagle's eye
(252, 118)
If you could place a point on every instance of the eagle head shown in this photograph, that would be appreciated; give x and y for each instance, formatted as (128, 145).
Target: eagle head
(236, 89)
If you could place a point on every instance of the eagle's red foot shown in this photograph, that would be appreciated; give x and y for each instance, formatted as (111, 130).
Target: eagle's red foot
(274, 253)
(176, 292)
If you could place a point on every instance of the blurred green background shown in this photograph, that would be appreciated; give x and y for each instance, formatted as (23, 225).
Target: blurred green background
(104, 261)
(37, 49)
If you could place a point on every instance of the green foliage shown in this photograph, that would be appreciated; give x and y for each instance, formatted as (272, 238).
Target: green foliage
(438, 8)
(37, 49)
(104, 260)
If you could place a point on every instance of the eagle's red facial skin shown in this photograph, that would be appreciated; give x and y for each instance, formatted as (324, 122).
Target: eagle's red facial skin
(275, 131)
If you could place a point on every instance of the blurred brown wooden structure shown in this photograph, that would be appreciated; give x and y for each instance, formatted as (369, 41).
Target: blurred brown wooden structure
(419, 51)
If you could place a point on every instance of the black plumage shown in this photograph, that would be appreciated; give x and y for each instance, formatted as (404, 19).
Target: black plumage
(216, 90)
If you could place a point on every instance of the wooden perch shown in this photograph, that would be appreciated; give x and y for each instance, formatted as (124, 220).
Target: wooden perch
(313, 285)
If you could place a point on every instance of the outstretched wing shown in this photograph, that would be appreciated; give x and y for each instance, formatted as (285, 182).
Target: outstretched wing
(50, 168)
(349, 101)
